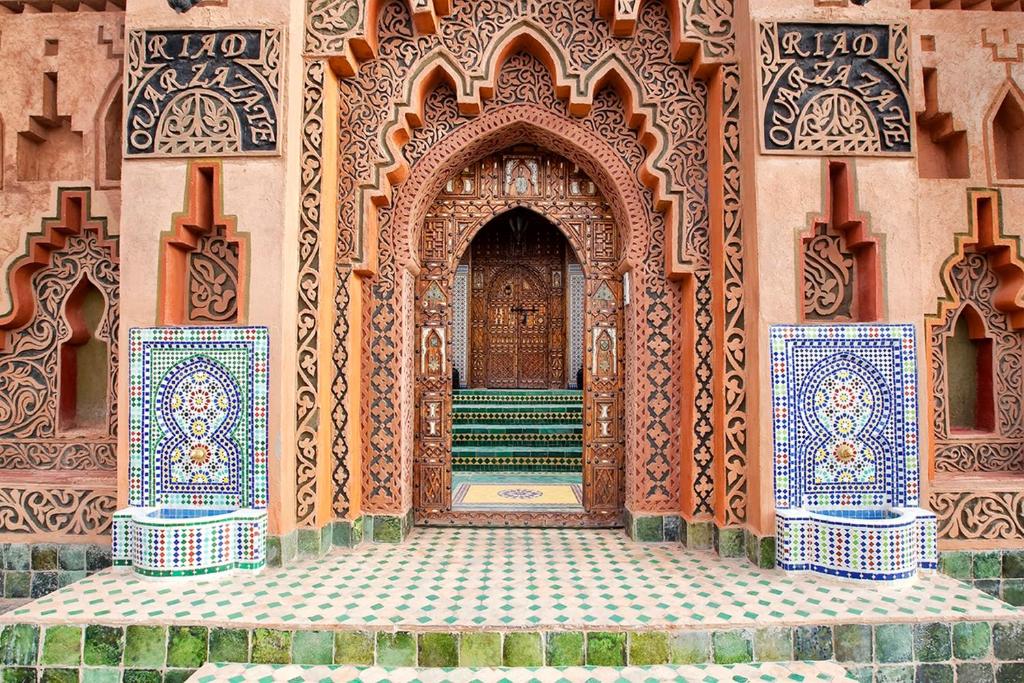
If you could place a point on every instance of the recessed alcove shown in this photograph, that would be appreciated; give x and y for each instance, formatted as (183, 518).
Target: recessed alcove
(941, 148)
(1007, 136)
(969, 359)
(83, 362)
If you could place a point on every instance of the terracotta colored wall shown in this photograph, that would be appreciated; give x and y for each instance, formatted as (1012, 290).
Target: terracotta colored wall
(263, 193)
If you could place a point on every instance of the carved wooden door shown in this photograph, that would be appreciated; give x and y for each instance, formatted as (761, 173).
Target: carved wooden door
(518, 306)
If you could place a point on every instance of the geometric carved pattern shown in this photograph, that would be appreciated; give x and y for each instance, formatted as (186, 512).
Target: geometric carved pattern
(34, 447)
(200, 92)
(834, 88)
(204, 261)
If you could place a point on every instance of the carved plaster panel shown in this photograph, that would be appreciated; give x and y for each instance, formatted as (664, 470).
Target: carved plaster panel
(834, 88)
(194, 93)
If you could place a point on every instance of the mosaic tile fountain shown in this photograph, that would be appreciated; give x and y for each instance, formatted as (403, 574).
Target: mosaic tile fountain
(846, 457)
(197, 433)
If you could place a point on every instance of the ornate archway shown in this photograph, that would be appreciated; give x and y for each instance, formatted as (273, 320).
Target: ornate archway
(556, 188)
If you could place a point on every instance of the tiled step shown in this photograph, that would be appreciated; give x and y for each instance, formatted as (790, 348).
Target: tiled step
(537, 450)
(464, 396)
(521, 439)
(502, 417)
(806, 672)
(517, 428)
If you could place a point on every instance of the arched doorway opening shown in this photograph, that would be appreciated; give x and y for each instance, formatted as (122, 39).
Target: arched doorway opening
(512, 248)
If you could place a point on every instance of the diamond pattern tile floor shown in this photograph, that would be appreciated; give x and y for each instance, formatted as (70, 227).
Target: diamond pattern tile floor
(463, 579)
(806, 672)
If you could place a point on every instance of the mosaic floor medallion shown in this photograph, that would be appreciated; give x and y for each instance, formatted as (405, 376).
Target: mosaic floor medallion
(533, 492)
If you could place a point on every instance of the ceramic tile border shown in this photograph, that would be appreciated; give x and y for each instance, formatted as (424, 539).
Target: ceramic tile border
(702, 535)
(999, 573)
(157, 652)
(32, 570)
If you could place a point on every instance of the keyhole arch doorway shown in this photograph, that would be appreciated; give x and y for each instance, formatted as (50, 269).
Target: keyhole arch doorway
(522, 181)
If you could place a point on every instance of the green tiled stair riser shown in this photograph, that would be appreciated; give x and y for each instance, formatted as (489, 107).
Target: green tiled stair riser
(999, 573)
(517, 430)
(32, 570)
(882, 652)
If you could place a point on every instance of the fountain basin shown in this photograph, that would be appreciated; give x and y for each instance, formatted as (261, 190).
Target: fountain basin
(173, 542)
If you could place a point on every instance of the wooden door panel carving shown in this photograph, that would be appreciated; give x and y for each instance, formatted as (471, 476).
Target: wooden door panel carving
(490, 214)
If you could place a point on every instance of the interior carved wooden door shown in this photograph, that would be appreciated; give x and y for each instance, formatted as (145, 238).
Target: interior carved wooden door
(518, 305)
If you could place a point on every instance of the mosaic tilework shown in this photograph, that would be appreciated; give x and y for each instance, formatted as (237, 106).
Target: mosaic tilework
(198, 416)
(805, 672)
(577, 288)
(844, 415)
(508, 579)
(460, 323)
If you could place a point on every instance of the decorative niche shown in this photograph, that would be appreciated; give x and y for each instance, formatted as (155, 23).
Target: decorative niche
(49, 148)
(204, 260)
(1005, 136)
(839, 257)
(976, 346)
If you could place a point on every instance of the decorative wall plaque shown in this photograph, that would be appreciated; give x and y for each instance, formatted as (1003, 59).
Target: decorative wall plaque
(834, 89)
(203, 92)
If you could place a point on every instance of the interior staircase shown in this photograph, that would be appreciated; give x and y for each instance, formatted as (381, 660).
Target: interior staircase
(537, 430)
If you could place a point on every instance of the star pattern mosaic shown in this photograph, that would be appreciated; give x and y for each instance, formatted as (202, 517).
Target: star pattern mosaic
(806, 672)
(466, 579)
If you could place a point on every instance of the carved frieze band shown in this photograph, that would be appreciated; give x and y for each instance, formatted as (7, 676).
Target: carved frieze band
(988, 515)
(194, 93)
(834, 88)
(51, 510)
(307, 399)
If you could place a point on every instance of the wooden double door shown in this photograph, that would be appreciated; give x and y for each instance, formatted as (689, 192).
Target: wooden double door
(517, 305)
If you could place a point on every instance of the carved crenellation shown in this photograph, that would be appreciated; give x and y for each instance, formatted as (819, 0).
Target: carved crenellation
(57, 478)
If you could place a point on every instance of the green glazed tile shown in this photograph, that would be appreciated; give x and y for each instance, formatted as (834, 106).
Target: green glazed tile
(17, 674)
(812, 643)
(97, 557)
(145, 646)
(66, 578)
(140, 676)
(59, 676)
(862, 674)
(62, 645)
(438, 649)
(732, 647)
(990, 586)
(480, 649)
(773, 644)
(396, 649)
(932, 642)
(934, 673)
(270, 646)
(71, 557)
(103, 645)
(19, 644)
(956, 564)
(387, 529)
(177, 675)
(17, 584)
(988, 565)
(565, 648)
(1008, 640)
(309, 543)
(606, 649)
(1009, 673)
(229, 645)
(648, 648)
(44, 557)
(974, 673)
(1013, 564)
(699, 535)
(853, 643)
(186, 646)
(274, 551)
(17, 557)
(1013, 591)
(43, 583)
(766, 553)
(689, 647)
(103, 674)
(971, 640)
(729, 542)
(353, 648)
(522, 648)
(312, 647)
(649, 528)
(894, 643)
(895, 673)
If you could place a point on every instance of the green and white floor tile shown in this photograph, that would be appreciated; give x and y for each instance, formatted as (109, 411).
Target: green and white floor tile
(507, 579)
(803, 672)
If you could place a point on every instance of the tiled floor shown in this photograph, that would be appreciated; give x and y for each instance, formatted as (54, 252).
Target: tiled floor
(807, 672)
(462, 579)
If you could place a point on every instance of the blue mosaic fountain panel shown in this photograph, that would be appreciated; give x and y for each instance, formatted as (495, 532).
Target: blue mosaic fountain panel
(198, 416)
(844, 415)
